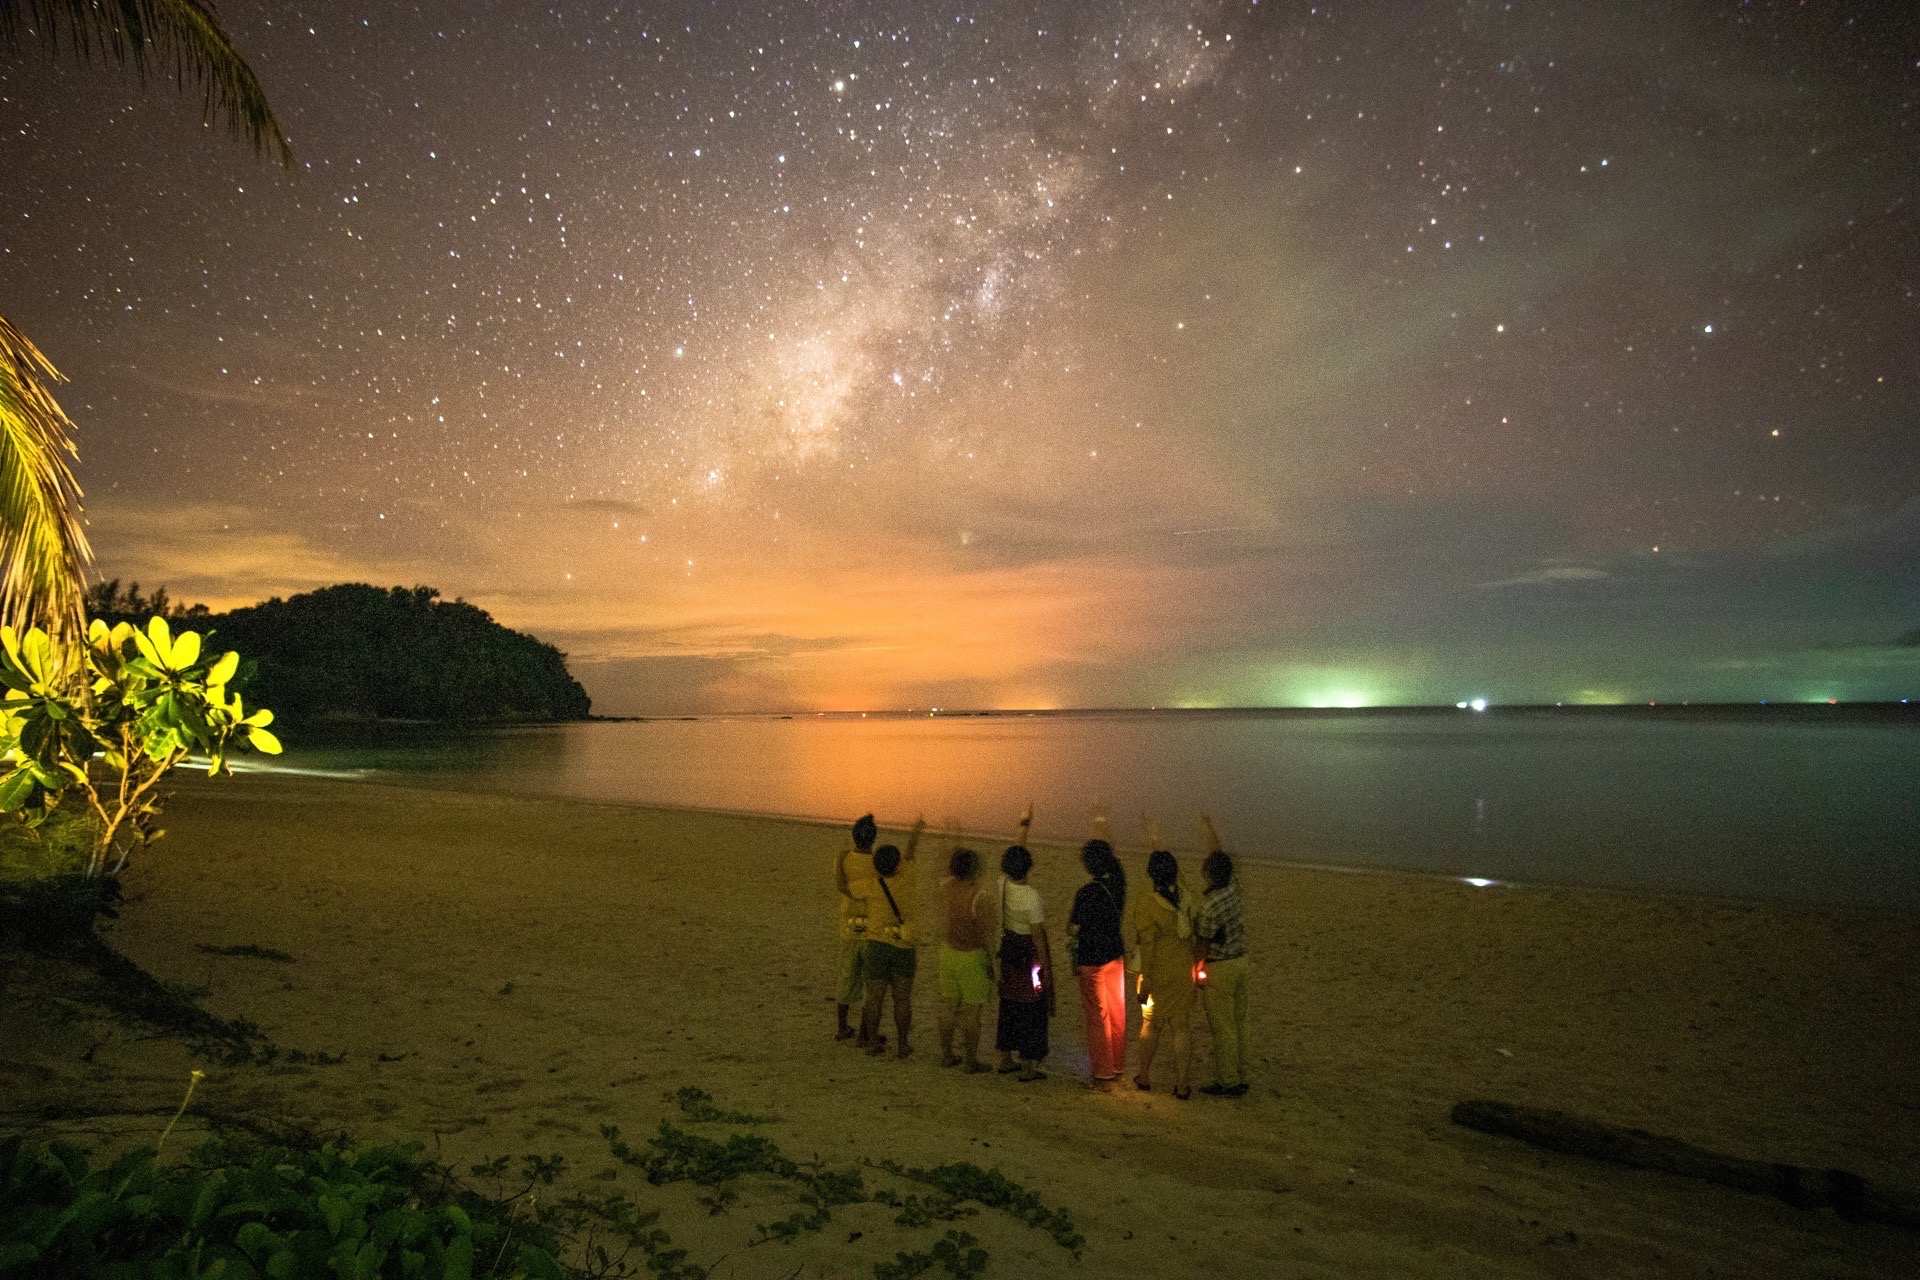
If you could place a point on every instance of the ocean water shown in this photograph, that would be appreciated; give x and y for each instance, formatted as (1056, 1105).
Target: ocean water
(1813, 805)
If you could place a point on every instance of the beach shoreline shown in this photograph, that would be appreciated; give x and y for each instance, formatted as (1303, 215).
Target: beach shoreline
(504, 974)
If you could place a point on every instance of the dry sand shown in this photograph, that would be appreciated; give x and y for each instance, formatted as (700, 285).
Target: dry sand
(505, 975)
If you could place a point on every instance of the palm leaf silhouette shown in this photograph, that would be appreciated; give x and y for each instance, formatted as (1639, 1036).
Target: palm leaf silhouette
(43, 549)
(148, 35)
(44, 555)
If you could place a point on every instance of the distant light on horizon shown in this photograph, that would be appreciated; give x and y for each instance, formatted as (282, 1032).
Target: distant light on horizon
(1346, 700)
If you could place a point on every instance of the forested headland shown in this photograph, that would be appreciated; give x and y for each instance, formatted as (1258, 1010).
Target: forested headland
(359, 652)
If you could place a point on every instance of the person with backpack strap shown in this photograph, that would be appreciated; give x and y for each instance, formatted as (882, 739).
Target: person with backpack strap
(890, 960)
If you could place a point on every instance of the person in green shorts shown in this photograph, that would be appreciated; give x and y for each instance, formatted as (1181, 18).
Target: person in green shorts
(966, 978)
(889, 959)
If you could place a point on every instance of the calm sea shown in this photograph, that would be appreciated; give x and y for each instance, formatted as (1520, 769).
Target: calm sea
(1817, 805)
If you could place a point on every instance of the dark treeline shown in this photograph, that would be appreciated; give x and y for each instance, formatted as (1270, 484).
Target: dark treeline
(107, 600)
(357, 652)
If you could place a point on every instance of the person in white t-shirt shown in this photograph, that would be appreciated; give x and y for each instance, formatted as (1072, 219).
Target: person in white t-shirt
(1026, 967)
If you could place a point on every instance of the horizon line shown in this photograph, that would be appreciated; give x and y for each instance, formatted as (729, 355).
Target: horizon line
(1484, 706)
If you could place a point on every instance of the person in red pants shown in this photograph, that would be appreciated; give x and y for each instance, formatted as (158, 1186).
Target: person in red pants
(1099, 957)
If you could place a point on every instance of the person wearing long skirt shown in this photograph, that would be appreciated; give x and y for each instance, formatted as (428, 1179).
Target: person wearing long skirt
(1026, 970)
(1160, 938)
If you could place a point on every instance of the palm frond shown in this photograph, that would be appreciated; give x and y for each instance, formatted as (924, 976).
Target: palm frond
(43, 550)
(148, 33)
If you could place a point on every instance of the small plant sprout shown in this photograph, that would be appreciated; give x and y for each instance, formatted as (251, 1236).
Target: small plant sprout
(193, 1082)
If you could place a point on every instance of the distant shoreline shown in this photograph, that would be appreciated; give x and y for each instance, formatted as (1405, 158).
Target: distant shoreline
(1652, 710)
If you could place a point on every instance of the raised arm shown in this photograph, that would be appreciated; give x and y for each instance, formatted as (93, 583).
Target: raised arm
(1026, 825)
(1099, 826)
(1211, 837)
(913, 839)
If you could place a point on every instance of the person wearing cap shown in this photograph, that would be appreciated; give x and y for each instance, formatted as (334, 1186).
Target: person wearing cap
(853, 878)
(1220, 925)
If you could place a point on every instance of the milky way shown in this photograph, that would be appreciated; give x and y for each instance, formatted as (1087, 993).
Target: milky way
(849, 355)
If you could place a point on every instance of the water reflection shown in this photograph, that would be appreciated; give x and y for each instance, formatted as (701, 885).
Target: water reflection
(1819, 812)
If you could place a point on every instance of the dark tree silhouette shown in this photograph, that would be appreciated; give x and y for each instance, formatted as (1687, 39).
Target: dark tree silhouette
(357, 652)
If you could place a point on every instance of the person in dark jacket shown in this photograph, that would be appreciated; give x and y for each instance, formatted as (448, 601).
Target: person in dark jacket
(1099, 958)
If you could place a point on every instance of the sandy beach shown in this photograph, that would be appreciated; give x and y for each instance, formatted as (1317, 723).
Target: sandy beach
(506, 975)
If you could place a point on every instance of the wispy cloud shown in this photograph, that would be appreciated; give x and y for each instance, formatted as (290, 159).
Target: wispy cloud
(1558, 575)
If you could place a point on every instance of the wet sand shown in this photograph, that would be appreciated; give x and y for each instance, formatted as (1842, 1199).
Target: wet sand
(505, 975)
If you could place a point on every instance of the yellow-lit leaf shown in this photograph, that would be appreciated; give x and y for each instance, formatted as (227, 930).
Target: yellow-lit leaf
(34, 654)
(186, 650)
(223, 670)
(146, 648)
(161, 637)
(97, 631)
(263, 741)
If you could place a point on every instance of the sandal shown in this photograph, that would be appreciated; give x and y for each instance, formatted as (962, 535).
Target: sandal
(1140, 1083)
(1028, 1077)
(1184, 1092)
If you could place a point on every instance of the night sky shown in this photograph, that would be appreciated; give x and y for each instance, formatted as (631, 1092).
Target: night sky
(846, 355)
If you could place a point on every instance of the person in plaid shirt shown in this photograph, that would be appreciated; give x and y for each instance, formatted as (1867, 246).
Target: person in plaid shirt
(1220, 926)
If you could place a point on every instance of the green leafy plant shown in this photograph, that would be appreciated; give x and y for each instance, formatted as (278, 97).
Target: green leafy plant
(142, 700)
(924, 1211)
(247, 950)
(697, 1105)
(678, 1156)
(331, 1212)
(958, 1253)
(990, 1187)
(589, 1226)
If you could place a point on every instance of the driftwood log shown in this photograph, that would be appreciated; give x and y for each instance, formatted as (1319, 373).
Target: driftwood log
(1847, 1193)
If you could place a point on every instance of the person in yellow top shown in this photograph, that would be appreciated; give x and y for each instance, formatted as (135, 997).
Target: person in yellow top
(1160, 943)
(853, 877)
(889, 959)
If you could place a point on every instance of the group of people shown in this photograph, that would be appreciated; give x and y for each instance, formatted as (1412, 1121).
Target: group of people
(1174, 946)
